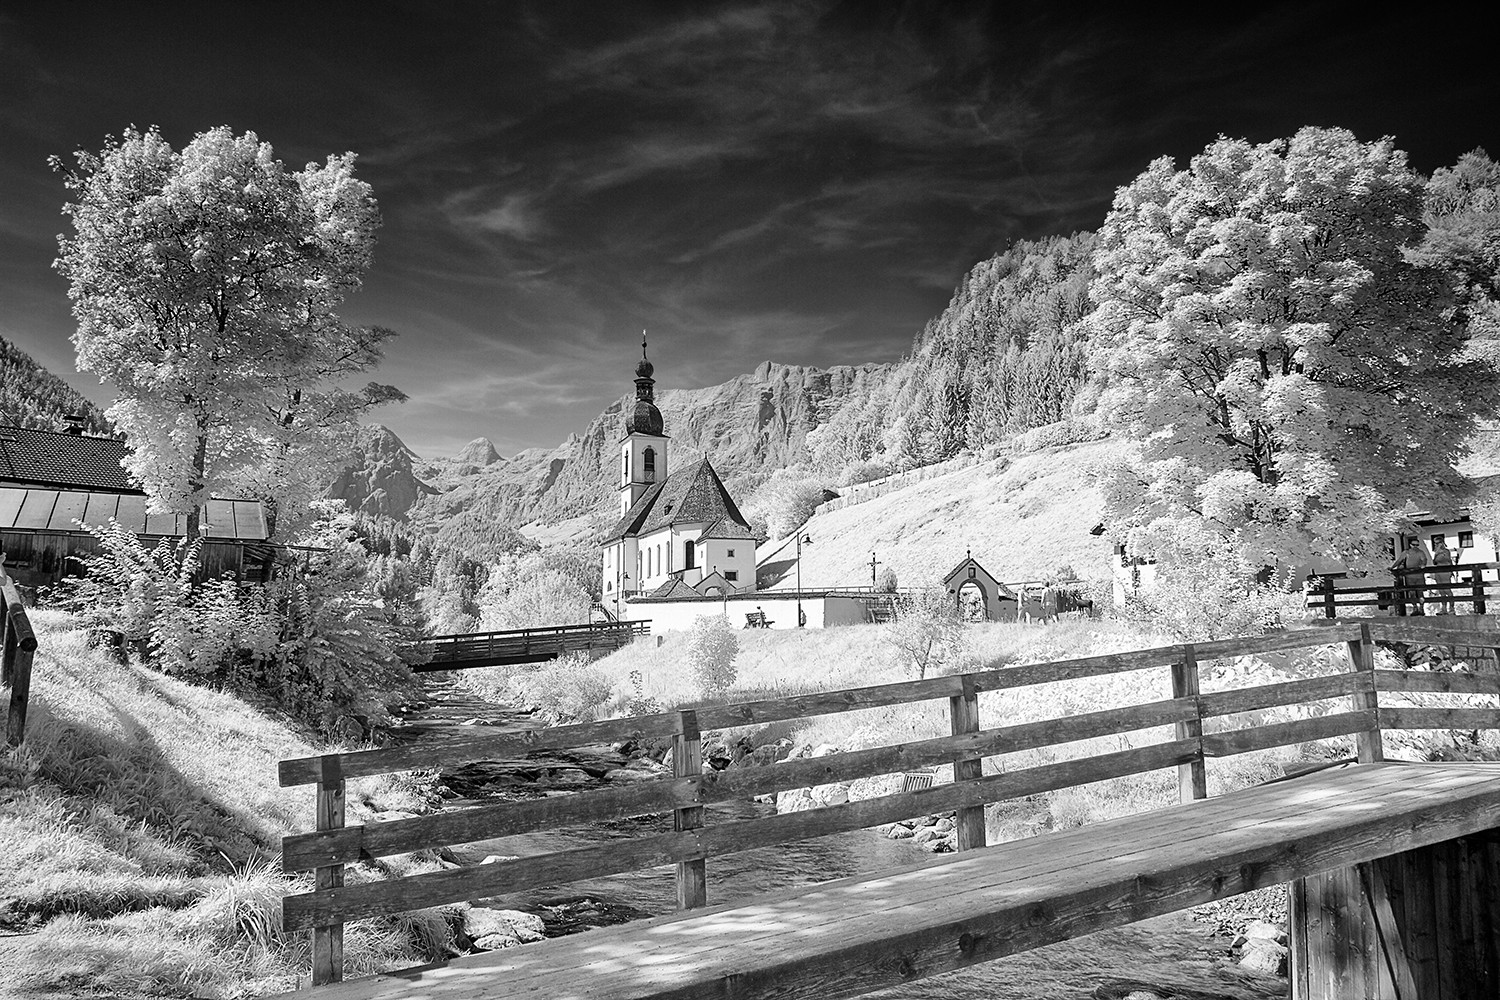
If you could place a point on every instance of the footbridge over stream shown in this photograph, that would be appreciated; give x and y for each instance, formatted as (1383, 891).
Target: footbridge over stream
(526, 645)
(1394, 867)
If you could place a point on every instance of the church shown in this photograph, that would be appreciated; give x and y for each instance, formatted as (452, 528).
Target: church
(680, 534)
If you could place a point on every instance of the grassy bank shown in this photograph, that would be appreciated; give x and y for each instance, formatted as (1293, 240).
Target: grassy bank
(142, 821)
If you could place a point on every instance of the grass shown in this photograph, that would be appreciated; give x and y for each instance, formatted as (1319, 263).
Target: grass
(143, 820)
(1024, 518)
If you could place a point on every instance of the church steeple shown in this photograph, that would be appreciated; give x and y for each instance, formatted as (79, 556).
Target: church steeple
(643, 452)
(645, 418)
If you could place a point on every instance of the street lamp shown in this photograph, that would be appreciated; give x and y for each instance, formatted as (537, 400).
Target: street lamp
(801, 618)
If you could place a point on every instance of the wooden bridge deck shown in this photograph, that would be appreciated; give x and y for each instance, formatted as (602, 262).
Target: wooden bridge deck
(852, 936)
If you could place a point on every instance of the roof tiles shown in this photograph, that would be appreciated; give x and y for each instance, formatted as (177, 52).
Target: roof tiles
(48, 458)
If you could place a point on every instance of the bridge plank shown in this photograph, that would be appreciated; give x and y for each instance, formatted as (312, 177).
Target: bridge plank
(1439, 718)
(856, 935)
(1439, 683)
(1286, 733)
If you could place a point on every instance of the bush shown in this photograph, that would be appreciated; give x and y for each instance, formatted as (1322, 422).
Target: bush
(711, 652)
(887, 584)
(568, 689)
(926, 632)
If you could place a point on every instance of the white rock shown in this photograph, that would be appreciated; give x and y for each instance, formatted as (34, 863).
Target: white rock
(497, 858)
(795, 800)
(627, 774)
(924, 834)
(899, 832)
(1259, 930)
(823, 750)
(570, 776)
(494, 942)
(833, 794)
(944, 826)
(1268, 957)
(483, 921)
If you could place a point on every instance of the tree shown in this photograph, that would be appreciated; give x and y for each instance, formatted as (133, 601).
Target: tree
(712, 648)
(926, 632)
(526, 592)
(1292, 375)
(785, 501)
(206, 285)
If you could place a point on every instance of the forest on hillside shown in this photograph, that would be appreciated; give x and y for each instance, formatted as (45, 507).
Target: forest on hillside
(32, 397)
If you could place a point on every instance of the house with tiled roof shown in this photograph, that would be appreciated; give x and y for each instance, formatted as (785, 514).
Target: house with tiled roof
(54, 484)
(677, 528)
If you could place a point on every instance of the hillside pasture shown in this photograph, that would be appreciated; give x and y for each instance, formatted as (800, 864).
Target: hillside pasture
(1023, 517)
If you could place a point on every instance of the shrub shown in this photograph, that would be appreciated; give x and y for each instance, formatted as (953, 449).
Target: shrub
(711, 652)
(926, 632)
(887, 584)
(568, 689)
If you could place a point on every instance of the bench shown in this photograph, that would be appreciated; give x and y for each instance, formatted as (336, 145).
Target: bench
(768, 947)
(757, 619)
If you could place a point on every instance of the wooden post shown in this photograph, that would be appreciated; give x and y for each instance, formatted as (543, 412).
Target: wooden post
(1360, 654)
(328, 941)
(1476, 577)
(687, 761)
(1192, 777)
(964, 711)
(16, 649)
(1328, 594)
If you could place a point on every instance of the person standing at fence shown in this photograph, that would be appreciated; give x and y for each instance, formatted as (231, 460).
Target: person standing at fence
(1406, 568)
(1049, 602)
(1442, 557)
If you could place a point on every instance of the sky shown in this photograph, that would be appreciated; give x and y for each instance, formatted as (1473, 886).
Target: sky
(799, 182)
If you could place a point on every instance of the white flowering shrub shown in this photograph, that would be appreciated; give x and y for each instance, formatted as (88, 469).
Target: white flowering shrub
(711, 652)
(316, 640)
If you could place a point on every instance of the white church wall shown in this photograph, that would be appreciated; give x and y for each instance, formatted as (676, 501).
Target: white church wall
(780, 611)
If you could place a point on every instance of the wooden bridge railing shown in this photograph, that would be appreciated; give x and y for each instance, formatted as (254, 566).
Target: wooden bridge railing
(449, 652)
(1202, 729)
(1471, 585)
(17, 646)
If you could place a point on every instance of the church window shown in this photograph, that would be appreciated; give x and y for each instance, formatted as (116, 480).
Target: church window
(971, 572)
(731, 575)
(688, 551)
(648, 464)
(608, 586)
(731, 553)
(627, 466)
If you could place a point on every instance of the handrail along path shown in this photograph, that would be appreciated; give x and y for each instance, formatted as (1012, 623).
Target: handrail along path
(693, 842)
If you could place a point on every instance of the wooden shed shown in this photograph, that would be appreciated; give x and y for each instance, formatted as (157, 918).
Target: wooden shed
(52, 485)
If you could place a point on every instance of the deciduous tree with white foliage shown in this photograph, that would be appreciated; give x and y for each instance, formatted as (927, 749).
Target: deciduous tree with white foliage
(206, 284)
(1293, 374)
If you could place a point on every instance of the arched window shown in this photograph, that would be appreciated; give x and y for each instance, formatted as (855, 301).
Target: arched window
(688, 562)
(648, 464)
(658, 558)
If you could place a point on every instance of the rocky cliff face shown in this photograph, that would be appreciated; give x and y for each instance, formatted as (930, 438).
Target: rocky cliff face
(378, 477)
(748, 426)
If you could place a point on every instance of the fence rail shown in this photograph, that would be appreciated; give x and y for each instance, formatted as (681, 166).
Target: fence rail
(1474, 585)
(1204, 727)
(17, 647)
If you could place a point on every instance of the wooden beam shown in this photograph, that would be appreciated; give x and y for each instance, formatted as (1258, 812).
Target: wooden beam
(963, 711)
(1192, 777)
(328, 937)
(1360, 656)
(687, 762)
(1286, 733)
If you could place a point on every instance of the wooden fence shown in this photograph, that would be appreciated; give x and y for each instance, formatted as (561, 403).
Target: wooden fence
(530, 645)
(1473, 586)
(17, 647)
(1203, 728)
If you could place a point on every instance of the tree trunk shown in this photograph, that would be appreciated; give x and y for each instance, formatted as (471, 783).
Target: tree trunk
(200, 461)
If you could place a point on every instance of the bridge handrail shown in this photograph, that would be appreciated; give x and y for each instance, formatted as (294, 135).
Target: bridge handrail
(615, 626)
(689, 789)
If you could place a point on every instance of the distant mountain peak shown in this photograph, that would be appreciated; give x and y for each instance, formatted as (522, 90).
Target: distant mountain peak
(480, 451)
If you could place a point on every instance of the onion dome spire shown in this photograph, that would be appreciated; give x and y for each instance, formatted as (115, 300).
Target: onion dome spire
(645, 418)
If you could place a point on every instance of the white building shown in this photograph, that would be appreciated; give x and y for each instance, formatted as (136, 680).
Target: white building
(679, 532)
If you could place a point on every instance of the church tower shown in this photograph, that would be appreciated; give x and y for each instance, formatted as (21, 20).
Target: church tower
(643, 451)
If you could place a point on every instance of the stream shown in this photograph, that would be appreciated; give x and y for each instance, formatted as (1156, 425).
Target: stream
(1171, 957)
